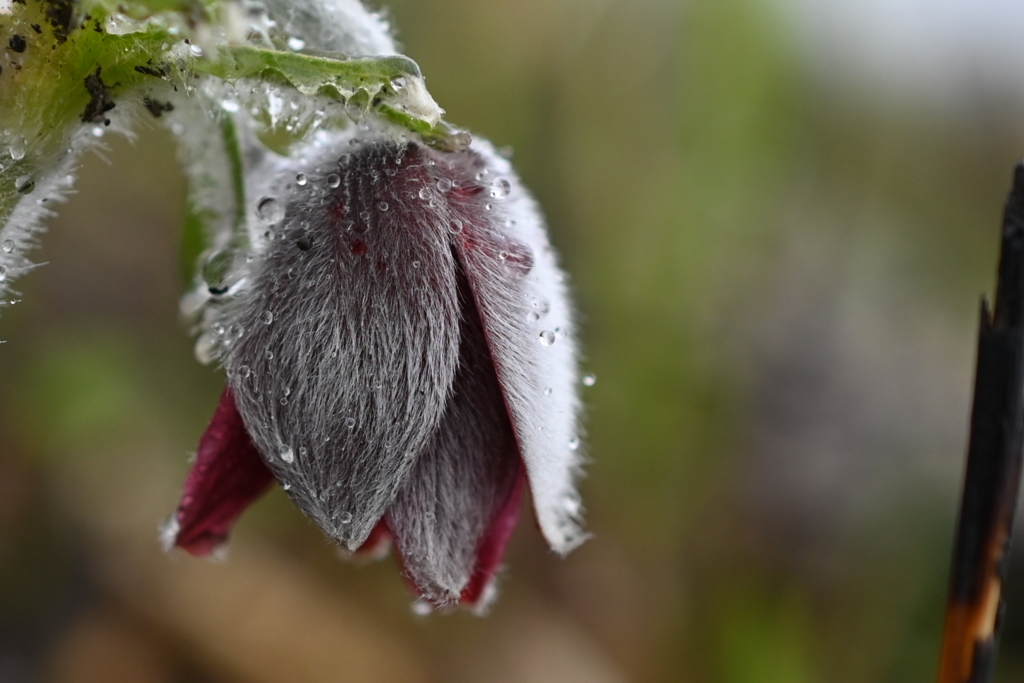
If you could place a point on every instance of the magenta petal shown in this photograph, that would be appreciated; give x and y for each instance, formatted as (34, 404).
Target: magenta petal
(227, 477)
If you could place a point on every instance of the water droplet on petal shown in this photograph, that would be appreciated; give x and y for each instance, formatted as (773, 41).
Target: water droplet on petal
(195, 50)
(8, 246)
(574, 443)
(244, 372)
(302, 451)
(269, 210)
(382, 206)
(267, 317)
(230, 106)
(547, 338)
(345, 517)
(424, 194)
(333, 180)
(397, 84)
(300, 179)
(169, 531)
(455, 227)
(444, 184)
(589, 380)
(3, 273)
(501, 188)
(296, 44)
(288, 455)
(547, 392)
(415, 264)
(269, 355)
(488, 206)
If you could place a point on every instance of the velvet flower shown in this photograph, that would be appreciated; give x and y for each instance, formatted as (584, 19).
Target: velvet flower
(400, 358)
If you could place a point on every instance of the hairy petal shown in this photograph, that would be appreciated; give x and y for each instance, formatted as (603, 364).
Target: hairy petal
(462, 485)
(227, 477)
(521, 296)
(348, 334)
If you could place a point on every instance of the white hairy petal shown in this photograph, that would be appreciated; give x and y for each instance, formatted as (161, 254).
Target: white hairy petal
(522, 299)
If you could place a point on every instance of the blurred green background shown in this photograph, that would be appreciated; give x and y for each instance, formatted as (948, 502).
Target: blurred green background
(778, 223)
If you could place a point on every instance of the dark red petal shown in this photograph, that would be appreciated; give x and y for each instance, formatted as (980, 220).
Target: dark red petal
(492, 547)
(227, 477)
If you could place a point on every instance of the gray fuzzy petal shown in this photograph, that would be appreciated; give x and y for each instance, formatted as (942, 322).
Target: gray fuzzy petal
(463, 479)
(348, 338)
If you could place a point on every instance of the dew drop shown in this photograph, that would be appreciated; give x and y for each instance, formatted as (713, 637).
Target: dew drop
(269, 210)
(415, 264)
(444, 185)
(302, 451)
(574, 443)
(217, 271)
(382, 206)
(541, 308)
(195, 50)
(502, 255)
(17, 148)
(288, 455)
(169, 531)
(267, 317)
(346, 517)
(244, 372)
(589, 380)
(296, 44)
(501, 188)
(455, 227)
(3, 273)
(350, 422)
(488, 206)
(547, 338)
(24, 184)
(333, 180)
(398, 84)
(284, 400)
(230, 106)
(424, 194)
(177, 129)
(571, 504)
(8, 246)
(269, 355)
(301, 179)
(422, 608)
(547, 392)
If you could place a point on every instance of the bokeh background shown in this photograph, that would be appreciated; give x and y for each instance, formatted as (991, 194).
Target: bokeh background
(779, 216)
